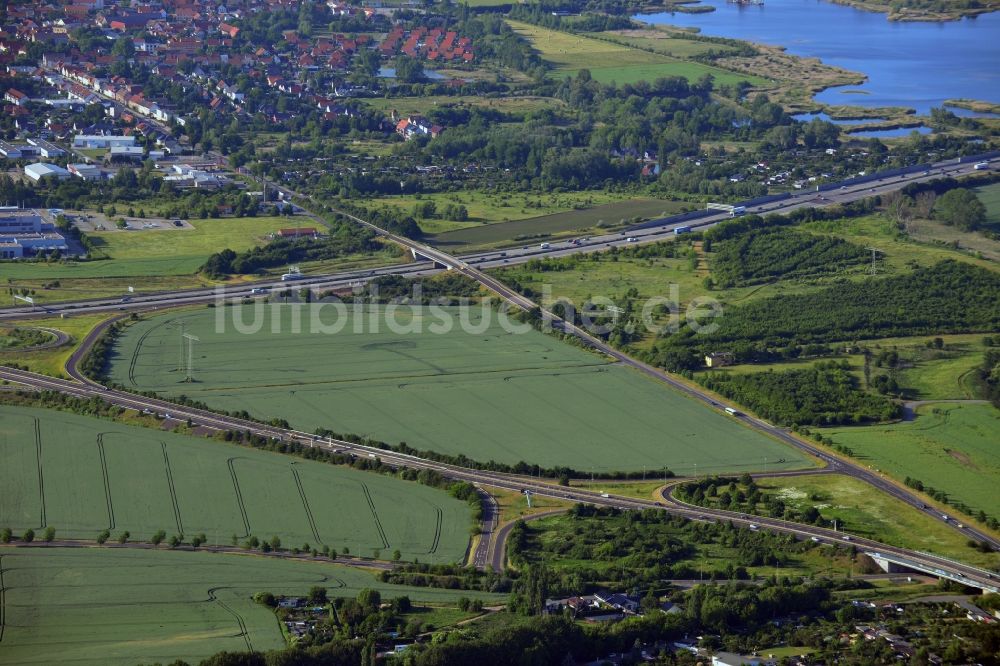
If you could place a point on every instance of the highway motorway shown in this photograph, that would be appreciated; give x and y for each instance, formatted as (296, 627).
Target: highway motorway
(512, 482)
(482, 260)
(471, 266)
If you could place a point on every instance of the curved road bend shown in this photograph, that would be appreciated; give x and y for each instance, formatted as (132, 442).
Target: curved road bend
(506, 481)
(498, 554)
(487, 530)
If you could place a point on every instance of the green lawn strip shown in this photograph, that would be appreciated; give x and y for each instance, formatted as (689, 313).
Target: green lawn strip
(488, 395)
(597, 219)
(990, 196)
(53, 361)
(864, 511)
(103, 606)
(951, 447)
(45, 290)
(97, 475)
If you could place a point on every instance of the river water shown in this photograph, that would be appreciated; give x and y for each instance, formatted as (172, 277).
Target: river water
(916, 65)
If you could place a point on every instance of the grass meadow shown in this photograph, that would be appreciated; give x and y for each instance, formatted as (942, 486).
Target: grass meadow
(82, 475)
(156, 252)
(952, 447)
(669, 43)
(614, 62)
(162, 259)
(568, 222)
(990, 196)
(489, 394)
(485, 208)
(864, 511)
(121, 606)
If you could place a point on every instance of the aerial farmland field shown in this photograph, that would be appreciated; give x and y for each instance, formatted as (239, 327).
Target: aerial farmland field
(489, 394)
(82, 475)
(125, 606)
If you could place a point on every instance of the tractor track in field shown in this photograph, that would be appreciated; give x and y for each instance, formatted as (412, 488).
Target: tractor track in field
(305, 504)
(41, 479)
(135, 356)
(378, 523)
(173, 490)
(437, 531)
(107, 480)
(3, 602)
(138, 347)
(236, 616)
(239, 496)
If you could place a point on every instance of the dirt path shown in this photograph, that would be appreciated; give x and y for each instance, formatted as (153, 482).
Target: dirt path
(910, 406)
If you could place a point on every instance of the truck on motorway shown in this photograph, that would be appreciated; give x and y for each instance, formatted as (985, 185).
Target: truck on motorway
(681, 230)
(981, 166)
(545, 246)
(737, 211)
(732, 412)
(292, 274)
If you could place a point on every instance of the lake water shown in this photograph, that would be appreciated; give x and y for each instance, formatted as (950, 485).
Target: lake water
(916, 65)
(889, 133)
(429, 74)
(806, 117)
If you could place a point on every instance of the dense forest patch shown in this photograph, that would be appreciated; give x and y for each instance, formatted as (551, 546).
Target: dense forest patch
(825, 394)
(762, 255)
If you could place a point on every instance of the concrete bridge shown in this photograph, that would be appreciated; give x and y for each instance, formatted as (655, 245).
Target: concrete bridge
(426, 257)
(891, 563)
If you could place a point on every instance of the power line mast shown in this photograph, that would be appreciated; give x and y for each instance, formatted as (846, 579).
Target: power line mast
(191, 339)
(874, 267)
(616, 312)
(180, 350)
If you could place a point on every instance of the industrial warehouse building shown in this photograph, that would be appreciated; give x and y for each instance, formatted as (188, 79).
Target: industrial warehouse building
(102, 141)
(41, 170)
(23, 233)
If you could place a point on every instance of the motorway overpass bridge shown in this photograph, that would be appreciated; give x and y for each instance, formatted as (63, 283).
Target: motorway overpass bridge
(421, 256)
(895, 563)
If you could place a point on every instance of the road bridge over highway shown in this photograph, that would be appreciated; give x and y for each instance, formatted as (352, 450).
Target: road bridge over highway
(894, 563)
